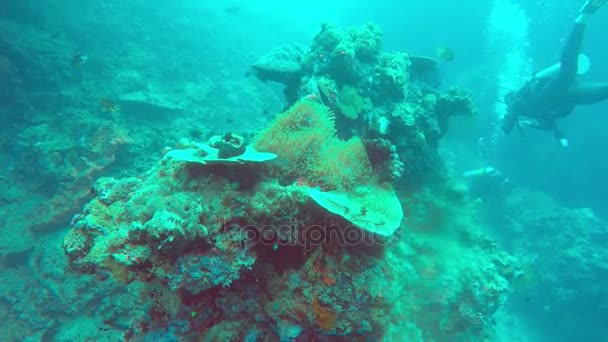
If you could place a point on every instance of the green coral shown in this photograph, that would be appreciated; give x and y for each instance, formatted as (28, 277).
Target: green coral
(351, 104)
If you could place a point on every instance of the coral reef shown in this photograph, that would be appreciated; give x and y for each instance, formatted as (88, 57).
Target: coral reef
(274, 259)
(374, 96)
(64, 126)
(285, 236)
(304, 138)
(281, 64)
(564, 254)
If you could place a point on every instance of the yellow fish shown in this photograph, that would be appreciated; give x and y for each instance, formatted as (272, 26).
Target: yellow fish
(445, 54)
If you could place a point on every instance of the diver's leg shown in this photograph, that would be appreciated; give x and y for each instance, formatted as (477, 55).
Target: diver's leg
(569, 59)
(589, 92)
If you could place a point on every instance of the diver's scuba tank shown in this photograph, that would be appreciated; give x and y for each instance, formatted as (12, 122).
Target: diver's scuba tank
(480, 172)
(583, 67)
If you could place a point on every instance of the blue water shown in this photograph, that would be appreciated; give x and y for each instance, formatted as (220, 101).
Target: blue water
(69, 71)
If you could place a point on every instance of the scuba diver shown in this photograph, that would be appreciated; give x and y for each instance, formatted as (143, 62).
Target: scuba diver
(488, 184)
(553, 93)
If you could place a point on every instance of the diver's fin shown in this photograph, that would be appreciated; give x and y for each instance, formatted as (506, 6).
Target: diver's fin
(591, 6)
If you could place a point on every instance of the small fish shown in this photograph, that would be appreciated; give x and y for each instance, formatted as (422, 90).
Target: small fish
(445, 54)
(79, 59)
(108, 105)
(196, 134)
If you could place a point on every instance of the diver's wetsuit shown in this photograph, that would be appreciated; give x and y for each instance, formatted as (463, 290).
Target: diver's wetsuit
(545, 99)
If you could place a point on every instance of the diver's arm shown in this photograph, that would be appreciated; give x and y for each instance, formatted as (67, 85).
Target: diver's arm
(527, 123)
(530, 123)
(559, 135)
(551, 125)
(543, 125)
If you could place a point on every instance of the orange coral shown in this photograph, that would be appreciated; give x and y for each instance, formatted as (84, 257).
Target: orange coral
(297, 132)
(324, 316)
(318, 265)
(119, 272)
(328, 279)
(343, 163)
(304, 139)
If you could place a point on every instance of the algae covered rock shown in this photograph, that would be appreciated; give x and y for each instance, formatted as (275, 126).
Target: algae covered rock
(284, 256)
(282, 65)
(367, 39)
(229, 145)
(144, 231)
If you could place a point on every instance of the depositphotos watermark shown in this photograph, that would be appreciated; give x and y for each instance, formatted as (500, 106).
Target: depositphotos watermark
(296, 233)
